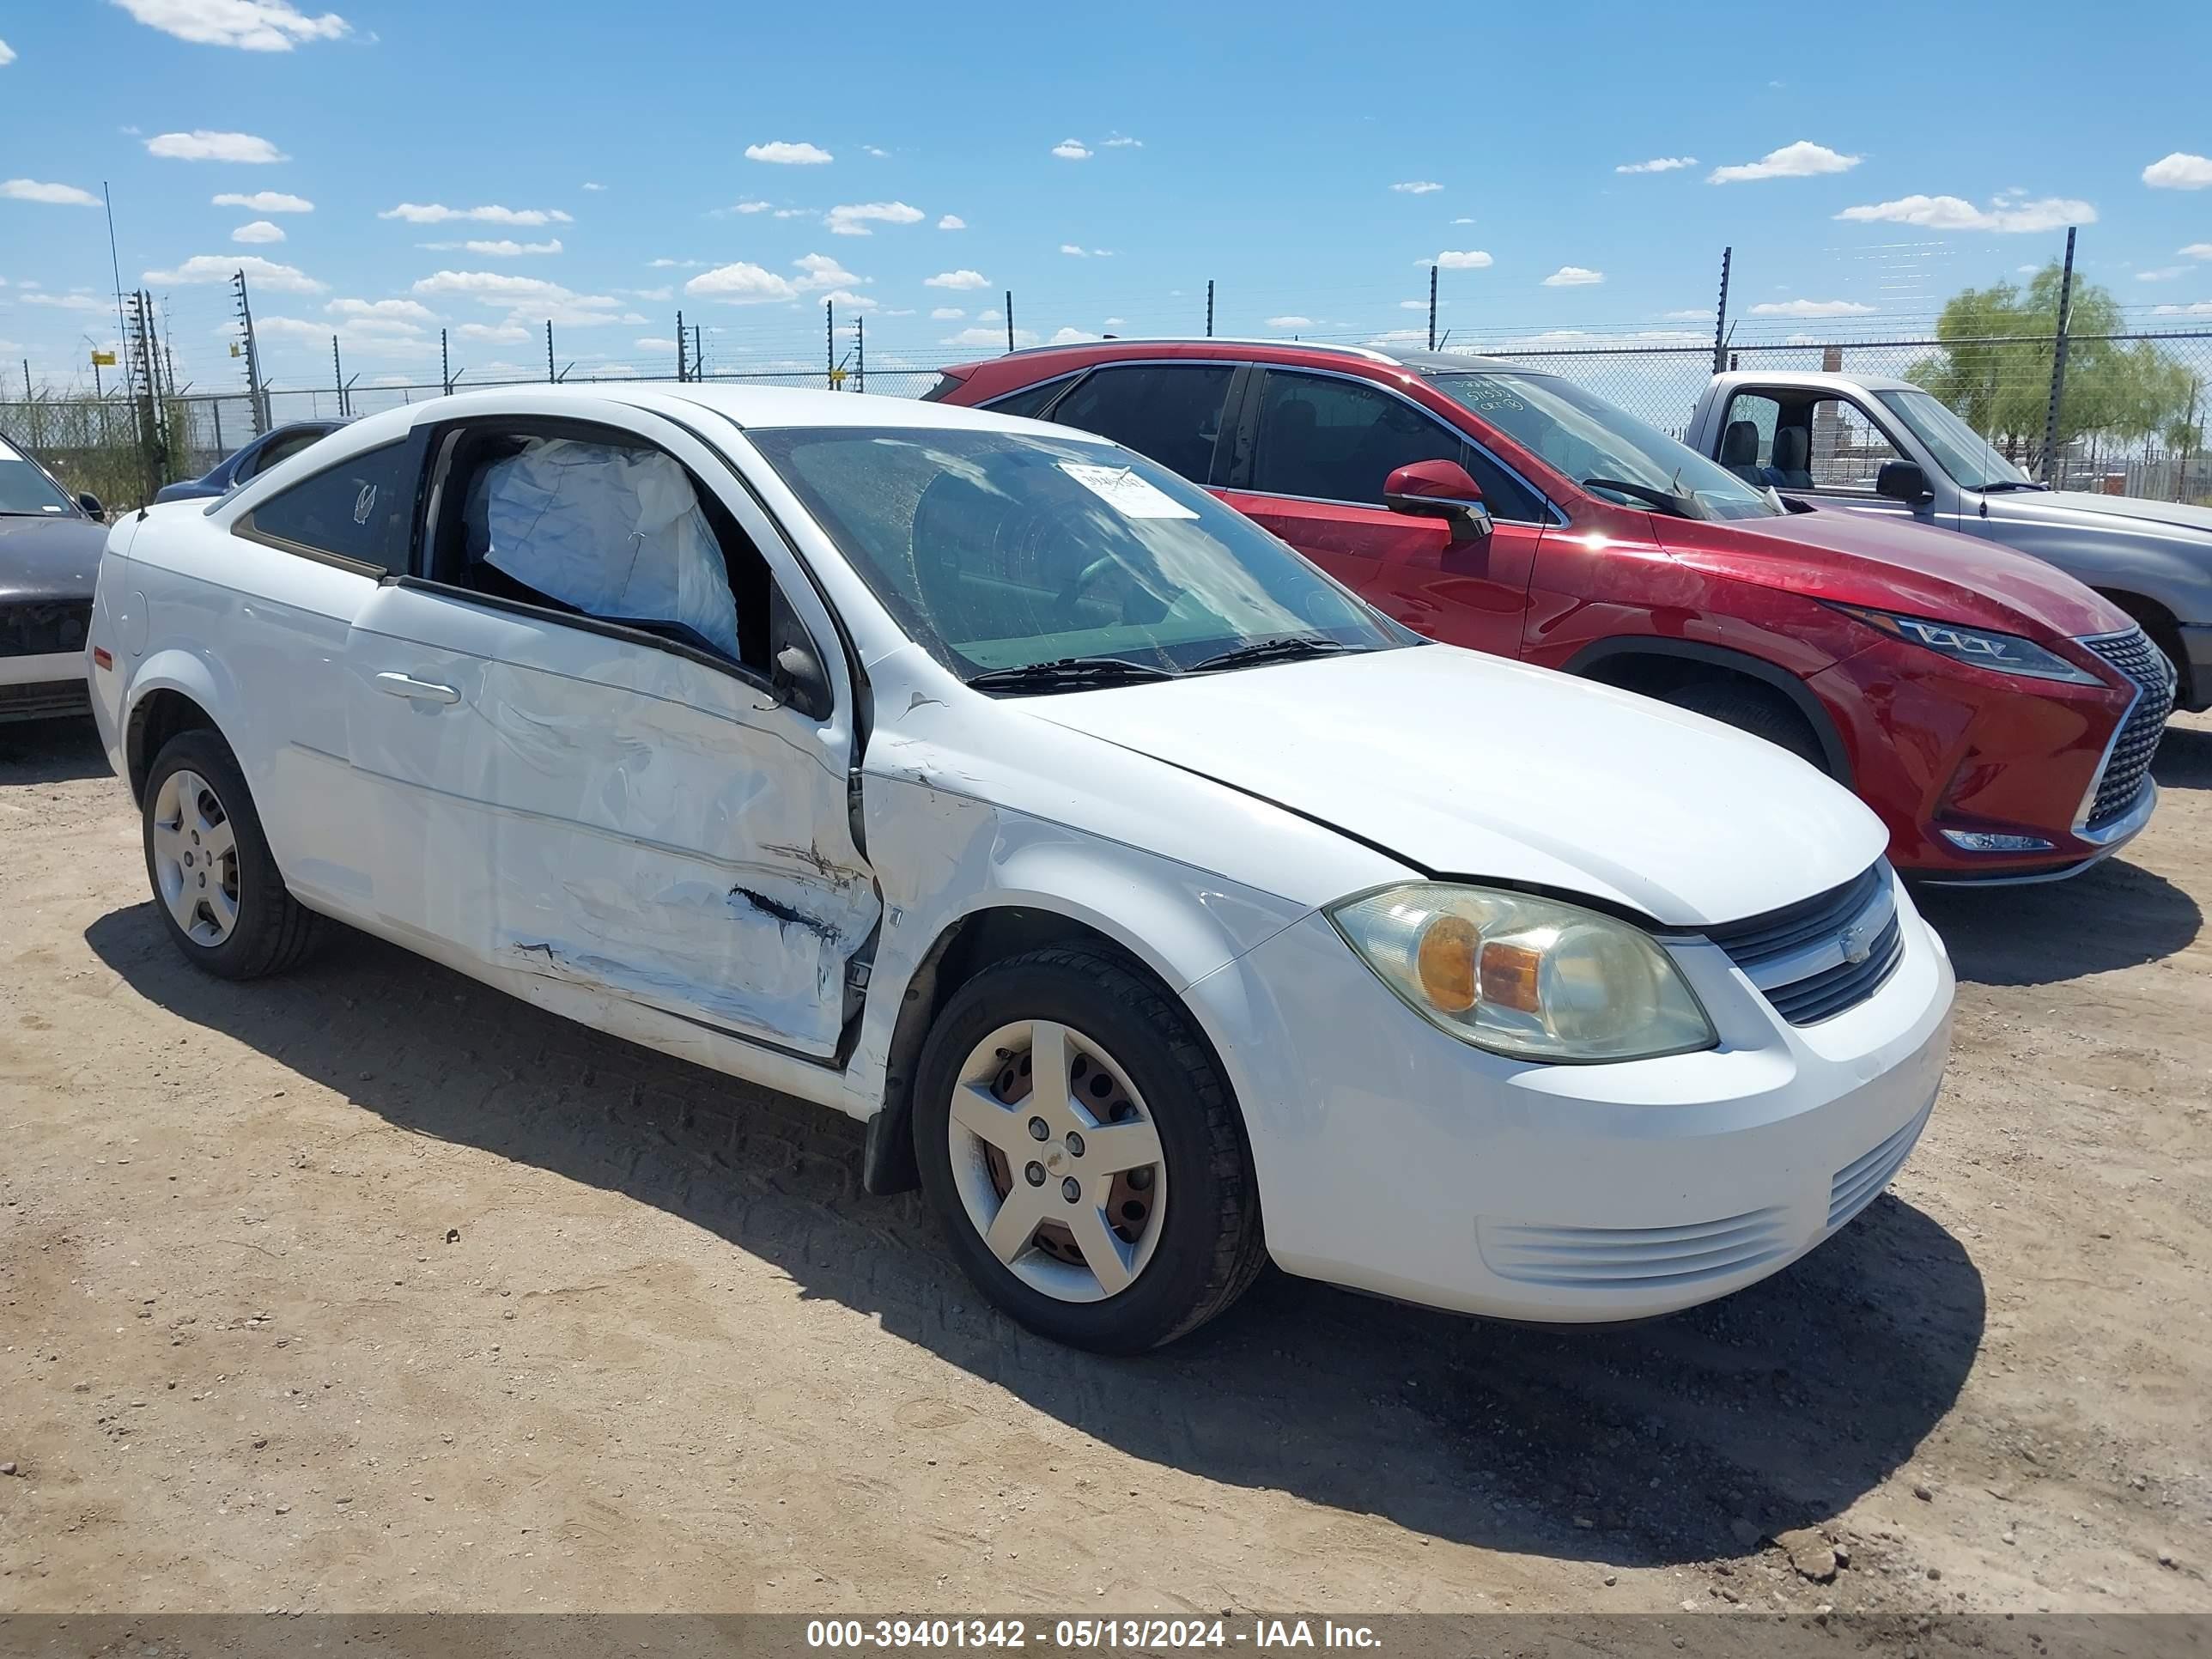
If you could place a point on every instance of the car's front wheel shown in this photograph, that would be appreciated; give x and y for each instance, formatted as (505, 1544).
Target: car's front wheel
(1079, 1146)
(215, 883)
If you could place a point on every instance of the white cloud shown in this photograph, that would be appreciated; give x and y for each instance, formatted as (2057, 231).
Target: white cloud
(393, 312)
(1658, 164)
(655, 293)
(742, 283)
(1573, 277)
(1471, 259)
(2201, 308)
(588, 184)
(753, 207)
(1462, 222)
(654, 345)
(2196, 251)
(201, 145)
(822, 271)
(1688, 315)
(1112, 322)
(494, 333)
(1417, 188)
(31, 190)
(952, 221)
(1072, 248)
(988, 317)
(7, 56)
(1413, 304)
(1955, 213)
(437, 213)
(265, 201)
(946, 315)
(794, 213)
(248, 24)
(531, 299)
(852, 219)
(64, 301)
(1802, 159)
(2179, 171)
(259, 231)
(291, 328)
(507, 248)
(788, 155)
(1118, 141)
(1069, 337)
(2164, 274)
(1071, 149)
(993, 337)
(962, 278)
(218, 267)
(1807, 308)
(1283, 322)
(673, 264)
(845, 299)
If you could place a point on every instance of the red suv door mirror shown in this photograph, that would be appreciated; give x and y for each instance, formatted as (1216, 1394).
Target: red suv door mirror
(1439, 489)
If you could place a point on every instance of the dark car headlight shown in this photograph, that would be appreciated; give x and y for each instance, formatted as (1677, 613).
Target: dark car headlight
(2004, 654)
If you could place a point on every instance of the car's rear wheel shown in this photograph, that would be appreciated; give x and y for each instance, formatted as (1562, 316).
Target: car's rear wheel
(1753, 708)
(215, 885)
(1079, 1146)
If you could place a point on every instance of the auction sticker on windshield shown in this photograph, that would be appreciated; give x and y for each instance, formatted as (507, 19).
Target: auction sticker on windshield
(1123, 490)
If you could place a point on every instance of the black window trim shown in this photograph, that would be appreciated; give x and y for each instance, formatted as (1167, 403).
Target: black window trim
(448, 433)
(1558, 520)
(1813, 396)
(246, 529)
(1244, 373)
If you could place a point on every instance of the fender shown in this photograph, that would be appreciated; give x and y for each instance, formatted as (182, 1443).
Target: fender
(202, 678)
(1801, 696)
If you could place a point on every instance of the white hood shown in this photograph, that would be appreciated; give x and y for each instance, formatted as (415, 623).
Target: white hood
(1468, 765)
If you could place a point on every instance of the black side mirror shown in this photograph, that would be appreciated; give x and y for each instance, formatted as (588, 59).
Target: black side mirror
(1903, 481)
(799, 682)
(90, 503)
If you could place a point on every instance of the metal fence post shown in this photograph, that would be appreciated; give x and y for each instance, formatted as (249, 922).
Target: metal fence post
(1009, 317)
(1720, 315)
(2059, 364)
(550, 376)
(680, 374)
(1432, 307)
(1209, 308)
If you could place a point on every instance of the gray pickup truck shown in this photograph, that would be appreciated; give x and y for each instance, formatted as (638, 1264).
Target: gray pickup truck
(1871, 445)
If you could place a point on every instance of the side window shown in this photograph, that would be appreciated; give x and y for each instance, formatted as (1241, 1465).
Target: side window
(361, 509)
(1747, 435)
(1338, 441)
(1840, 448)
(1169, 411)
(1029, 399)
(593, 526)
(279, 449)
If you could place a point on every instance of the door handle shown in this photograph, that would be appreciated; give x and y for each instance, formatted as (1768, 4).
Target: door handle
(399, 685)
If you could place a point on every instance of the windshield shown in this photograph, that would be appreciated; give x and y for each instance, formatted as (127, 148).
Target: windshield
(25, 487)
(1586, 437)
(1958, 448)
(999, 551)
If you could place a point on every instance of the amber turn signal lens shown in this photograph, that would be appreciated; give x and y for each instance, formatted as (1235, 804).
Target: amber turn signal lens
(1508, 977)
(1445, 962)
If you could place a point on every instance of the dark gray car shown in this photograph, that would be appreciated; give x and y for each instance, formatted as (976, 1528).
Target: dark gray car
(50, 545)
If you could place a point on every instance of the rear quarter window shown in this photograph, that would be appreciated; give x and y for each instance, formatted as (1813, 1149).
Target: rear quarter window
(360, 510)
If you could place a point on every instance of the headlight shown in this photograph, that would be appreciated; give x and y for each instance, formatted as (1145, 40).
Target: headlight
(2008, 654)
(1529, 977)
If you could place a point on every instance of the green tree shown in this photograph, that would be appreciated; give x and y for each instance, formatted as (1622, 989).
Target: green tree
(1995, 368)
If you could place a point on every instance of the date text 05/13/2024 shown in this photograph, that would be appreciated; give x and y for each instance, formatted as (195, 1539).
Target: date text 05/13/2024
(1086, 1634)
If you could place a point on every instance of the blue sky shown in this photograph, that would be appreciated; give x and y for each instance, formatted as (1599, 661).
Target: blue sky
(1102, 165)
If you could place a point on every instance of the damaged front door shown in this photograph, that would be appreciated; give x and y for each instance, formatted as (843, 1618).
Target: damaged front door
(574, 797)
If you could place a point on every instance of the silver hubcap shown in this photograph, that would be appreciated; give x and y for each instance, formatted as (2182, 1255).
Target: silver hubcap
(195, 858)
(1057, 1160)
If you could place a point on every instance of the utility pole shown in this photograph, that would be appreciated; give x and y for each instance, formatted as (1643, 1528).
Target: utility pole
(2059, 364)
(861, 353)
(550, 377)
(1209, 309)
(256, 394)
(1432, 307)
(145, 389)
(1720, 315)
(115, 266)
(680, 373)
(1010, 320)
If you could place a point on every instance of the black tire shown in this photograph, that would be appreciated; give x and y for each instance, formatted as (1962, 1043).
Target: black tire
(1210, 1247)
(1756, 709)
(274, 932)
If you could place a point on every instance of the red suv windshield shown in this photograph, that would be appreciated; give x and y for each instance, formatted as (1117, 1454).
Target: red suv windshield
(1600, 448)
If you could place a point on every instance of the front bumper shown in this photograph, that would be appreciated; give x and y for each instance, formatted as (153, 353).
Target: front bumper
(1396, 1159)
(45, 685)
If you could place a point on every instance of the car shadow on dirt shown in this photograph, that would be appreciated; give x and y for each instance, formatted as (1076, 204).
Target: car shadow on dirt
(51, 751)
(2116, 915)
(2183, 759)
(1679, 1440)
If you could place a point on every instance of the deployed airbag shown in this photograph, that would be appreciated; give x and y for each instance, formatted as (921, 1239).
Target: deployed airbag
(615, 532)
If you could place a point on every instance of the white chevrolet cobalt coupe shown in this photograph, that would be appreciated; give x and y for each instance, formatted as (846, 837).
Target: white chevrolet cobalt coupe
(1159, 907)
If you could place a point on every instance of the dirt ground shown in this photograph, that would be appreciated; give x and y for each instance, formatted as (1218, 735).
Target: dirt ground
(371, 1289)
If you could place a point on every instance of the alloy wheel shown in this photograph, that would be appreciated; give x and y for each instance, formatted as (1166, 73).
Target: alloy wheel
(195, 858)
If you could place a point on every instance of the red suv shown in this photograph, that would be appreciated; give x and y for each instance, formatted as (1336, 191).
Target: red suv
(1998, 714)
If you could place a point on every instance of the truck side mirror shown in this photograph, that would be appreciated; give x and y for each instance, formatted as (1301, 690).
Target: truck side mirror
(1439, 489)
(90, 503)
(1903, 481)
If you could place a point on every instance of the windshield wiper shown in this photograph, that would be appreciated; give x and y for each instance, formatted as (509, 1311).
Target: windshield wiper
(1068, 673)
(1996, 484)
(1287, 649)
(1677, 505)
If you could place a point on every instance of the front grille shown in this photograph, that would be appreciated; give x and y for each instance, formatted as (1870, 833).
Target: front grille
(1633, 1258)
(1860, 1182)
(2133, 655)
(1818, 930)
(43, 628)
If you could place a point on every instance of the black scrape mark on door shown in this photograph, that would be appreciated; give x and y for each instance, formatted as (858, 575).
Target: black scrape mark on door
(784, 915)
